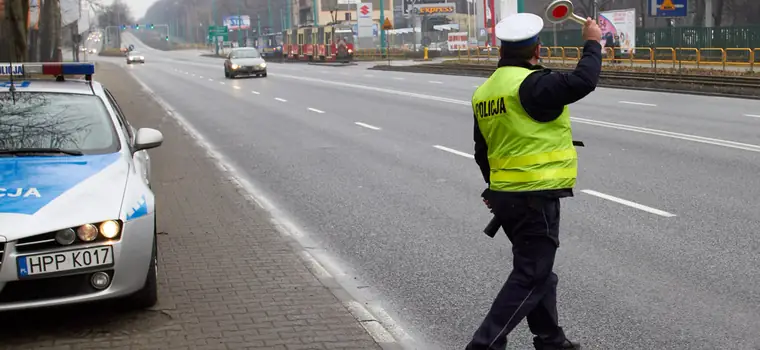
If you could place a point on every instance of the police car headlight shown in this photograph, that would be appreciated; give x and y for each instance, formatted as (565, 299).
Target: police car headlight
(235, 66)
(65, 237)
(87, 233)
(263, 65)
(110, 229)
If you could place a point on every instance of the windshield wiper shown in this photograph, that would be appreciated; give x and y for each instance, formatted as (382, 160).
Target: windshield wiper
(20, 151)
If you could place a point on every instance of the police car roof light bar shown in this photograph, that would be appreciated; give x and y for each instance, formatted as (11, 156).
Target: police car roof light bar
(562, 10)
(60, 69)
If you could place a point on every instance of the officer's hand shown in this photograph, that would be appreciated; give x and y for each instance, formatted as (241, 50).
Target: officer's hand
(591, 30)
(486, 194)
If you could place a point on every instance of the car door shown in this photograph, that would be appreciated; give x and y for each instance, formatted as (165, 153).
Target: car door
(141, 159)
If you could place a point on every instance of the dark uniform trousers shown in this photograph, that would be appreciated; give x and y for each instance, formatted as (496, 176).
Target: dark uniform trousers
(532, 225)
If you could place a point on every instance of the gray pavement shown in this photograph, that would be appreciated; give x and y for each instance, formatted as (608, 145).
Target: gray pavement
(658, 246)
(228, 278)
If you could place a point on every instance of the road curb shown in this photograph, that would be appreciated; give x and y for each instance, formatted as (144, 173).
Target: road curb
(373, 325)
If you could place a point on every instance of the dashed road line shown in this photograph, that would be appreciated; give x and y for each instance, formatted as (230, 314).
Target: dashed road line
(638, 103)
(368, 75)
(367, 126)
(752, 115)
(200, 77)
(629, 203)
(209, 79)
(280, 99)
(236, 87)
(221, 82)
(451, 150)
(255, 92)
(435, 82)
(316, 110)
(398, 78)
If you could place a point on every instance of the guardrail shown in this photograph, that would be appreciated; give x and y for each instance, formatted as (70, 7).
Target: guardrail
(724, 58)
(646, 56)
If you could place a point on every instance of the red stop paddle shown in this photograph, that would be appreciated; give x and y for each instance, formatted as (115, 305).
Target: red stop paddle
(562, 10)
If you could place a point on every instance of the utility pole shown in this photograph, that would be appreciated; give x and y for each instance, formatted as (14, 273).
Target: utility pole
(213, 22)
(269, 13)
(258, 31)
(240, 24)
(380, 26)
(314, 11)
(290, 13)
(520, 6)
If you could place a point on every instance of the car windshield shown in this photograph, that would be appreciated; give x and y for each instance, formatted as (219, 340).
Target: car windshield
(247, 53)
(54, 121)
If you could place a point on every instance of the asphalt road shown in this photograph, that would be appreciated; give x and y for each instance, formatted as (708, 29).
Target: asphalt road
(659, 247)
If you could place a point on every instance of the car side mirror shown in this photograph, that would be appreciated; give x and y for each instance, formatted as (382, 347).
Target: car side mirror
(148, 138)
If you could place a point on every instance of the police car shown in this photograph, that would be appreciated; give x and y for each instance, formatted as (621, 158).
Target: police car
(77, 213)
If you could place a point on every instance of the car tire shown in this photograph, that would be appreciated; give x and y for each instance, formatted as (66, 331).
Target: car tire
(226, 74)
(264, 75)
(148, 296)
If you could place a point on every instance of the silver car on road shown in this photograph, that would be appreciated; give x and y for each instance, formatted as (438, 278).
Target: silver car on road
(244, 61)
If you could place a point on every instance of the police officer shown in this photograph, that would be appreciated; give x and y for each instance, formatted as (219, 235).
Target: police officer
(524, 148)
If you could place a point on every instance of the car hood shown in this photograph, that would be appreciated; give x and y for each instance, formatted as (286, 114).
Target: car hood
(247, 61)
(43, 194)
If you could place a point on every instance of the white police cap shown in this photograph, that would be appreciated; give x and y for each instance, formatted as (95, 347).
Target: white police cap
(520, 29)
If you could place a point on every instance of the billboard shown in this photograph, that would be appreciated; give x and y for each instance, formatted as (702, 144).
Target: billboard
(619, 29)
(237, 22)
(457, 41)
(364, 20)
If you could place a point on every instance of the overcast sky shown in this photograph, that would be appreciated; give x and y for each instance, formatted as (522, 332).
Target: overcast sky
(138, 7)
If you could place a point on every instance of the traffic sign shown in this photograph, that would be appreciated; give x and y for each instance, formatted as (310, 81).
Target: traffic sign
(668, 8)
(387, 24)
(218, 30)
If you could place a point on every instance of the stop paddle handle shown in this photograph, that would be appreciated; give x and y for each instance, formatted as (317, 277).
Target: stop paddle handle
(562, 10)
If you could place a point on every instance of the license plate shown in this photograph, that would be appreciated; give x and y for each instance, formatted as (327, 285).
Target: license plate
(72, 260)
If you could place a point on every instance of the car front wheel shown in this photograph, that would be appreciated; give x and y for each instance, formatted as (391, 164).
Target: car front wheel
(148, 296)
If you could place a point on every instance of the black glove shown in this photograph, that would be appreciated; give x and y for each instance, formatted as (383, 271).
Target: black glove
(487, 198)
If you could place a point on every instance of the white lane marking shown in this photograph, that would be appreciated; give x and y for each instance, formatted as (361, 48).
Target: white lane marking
(193, 74)
(675, 135)
(629, 203)
(200, 77)
(209, 79)
(638, 103)
(663, 133)
(280, 99)
(236, 87)
(223, 83)
(435, 82)
(255, 93)
(367, 126)
(368, 75)
(476, 86)
(186, 73)
(315, 110)
(451, 150)
(285, 225)
(397, 78)
(752, 115)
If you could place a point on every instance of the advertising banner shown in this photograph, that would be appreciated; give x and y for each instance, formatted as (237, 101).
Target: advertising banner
(237, 22)
(457, 41)
(619, 29)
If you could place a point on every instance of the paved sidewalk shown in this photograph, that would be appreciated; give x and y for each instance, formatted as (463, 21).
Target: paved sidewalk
(228, 280)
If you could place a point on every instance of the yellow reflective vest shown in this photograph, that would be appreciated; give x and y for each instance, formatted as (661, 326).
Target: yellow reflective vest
(524, 154)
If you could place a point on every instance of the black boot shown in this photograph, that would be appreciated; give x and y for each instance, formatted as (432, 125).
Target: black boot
(566, 345)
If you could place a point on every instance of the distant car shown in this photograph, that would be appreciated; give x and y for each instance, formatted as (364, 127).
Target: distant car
(134, 56)
(77, 211)
(93, 51)
(244, 61)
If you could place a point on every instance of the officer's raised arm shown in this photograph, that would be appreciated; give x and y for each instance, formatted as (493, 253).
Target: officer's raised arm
(551, 90)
